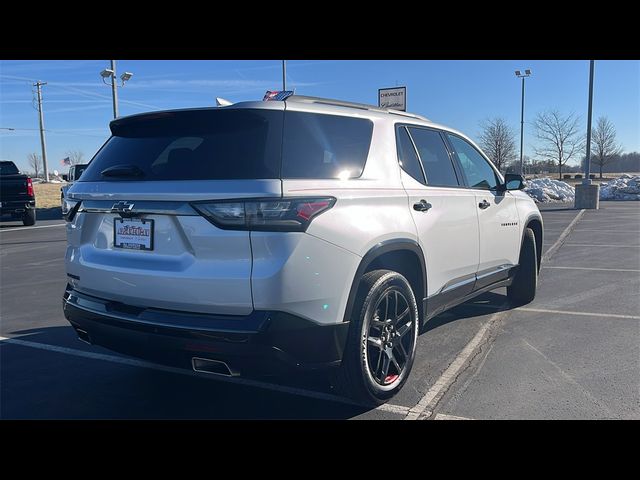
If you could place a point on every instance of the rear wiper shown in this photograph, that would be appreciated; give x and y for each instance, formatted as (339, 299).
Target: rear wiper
(122, 171)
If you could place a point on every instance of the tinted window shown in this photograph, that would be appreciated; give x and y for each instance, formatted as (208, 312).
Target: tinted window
(476, 168)
(8, 168)
(407, 155)
(324, 146)
(79, 171)
(435, 158)
(193, 145)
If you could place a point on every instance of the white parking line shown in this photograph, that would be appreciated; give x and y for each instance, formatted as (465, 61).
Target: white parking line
(585, 314)
(593, 268)
(433, 395)
(608, 230)
(398, 409)
(21, 229)
(559, 312)
(444, 416)
(446, 379)
(599, 245)
(558, 243)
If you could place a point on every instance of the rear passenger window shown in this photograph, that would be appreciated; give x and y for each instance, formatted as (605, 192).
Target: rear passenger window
(435, 159)
(407, 155)
(324, 146)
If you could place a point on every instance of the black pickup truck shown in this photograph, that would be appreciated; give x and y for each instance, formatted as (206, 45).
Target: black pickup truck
(17, 197)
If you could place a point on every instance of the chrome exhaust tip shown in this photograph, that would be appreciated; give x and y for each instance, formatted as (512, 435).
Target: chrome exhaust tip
(214, 367)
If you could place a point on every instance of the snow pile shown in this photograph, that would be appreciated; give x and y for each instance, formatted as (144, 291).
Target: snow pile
(545, 190)
(624, 188)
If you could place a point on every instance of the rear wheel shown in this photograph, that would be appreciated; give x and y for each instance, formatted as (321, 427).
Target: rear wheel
(525, 283)
(29, 217)
(382, 339)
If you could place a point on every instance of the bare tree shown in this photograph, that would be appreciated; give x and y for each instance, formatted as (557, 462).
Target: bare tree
(497, 141)
(559, 137)
(75, 156)
(604, 145)
(35, 161)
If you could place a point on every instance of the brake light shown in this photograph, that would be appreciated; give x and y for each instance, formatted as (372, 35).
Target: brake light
(30, 187)
(281, 214)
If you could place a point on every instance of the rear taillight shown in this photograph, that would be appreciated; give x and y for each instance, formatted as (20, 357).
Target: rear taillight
(30, 187)
(280, 215)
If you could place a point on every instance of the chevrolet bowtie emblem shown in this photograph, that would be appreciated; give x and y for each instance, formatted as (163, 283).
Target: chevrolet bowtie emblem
(122, 207)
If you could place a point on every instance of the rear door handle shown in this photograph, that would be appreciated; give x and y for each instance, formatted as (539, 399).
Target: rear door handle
(422, 206)
(484, 205)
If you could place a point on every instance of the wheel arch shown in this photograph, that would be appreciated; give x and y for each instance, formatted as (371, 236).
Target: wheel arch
(535, 224)
(400, 255)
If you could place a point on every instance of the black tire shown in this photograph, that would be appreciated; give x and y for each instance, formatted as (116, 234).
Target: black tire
(380, 291)
(525, 283)
(29, 217)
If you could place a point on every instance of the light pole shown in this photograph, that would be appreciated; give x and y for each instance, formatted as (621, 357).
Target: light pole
(284, 75)
(587, 162)
(524, 75)
(587, 193)
(111, 73)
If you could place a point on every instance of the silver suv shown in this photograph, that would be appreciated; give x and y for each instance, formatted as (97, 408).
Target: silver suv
(305, 233)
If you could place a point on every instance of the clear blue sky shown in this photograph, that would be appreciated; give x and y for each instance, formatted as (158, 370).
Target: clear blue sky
(77, 105)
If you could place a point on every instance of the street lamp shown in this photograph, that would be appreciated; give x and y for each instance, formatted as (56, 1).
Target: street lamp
(111, 73)
(524, 75)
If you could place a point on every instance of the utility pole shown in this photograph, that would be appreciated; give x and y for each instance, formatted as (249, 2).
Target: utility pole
(39, 85)
(114, 89)
(284, 75)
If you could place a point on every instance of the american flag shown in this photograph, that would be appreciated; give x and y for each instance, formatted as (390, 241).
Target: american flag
(65, 161)
(277, 95)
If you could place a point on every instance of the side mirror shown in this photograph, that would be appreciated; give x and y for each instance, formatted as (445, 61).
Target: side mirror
(513, 181)
(65, 177)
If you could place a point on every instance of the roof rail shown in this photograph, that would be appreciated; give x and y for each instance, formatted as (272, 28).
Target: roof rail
(342, 103)
(407, 114)
(330, 101)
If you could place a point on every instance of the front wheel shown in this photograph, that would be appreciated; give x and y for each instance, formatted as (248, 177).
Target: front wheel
(382, 339)
(525, 283)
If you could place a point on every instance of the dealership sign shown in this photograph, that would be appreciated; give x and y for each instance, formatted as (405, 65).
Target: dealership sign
(395, 98)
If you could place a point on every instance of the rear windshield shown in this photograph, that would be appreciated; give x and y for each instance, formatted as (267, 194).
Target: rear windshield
(233, 145)
(8, 168)
(193, 145)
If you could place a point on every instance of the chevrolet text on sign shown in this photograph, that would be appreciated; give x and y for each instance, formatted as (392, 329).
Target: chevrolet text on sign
(395, 98)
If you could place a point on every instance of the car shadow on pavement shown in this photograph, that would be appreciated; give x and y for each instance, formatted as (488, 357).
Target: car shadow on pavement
(485, 304)
(93, 388)
(87, 387)
(53, 213)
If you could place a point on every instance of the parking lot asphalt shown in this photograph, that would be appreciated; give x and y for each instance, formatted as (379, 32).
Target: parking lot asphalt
(572, 353)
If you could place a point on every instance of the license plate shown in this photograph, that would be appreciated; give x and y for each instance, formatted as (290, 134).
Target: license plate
(133, 233)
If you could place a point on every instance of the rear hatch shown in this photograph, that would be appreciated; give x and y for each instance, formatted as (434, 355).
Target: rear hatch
(137, 237)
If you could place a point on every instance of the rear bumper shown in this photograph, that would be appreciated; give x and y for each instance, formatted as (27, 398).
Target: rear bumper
(16, 206)
(262, 342)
